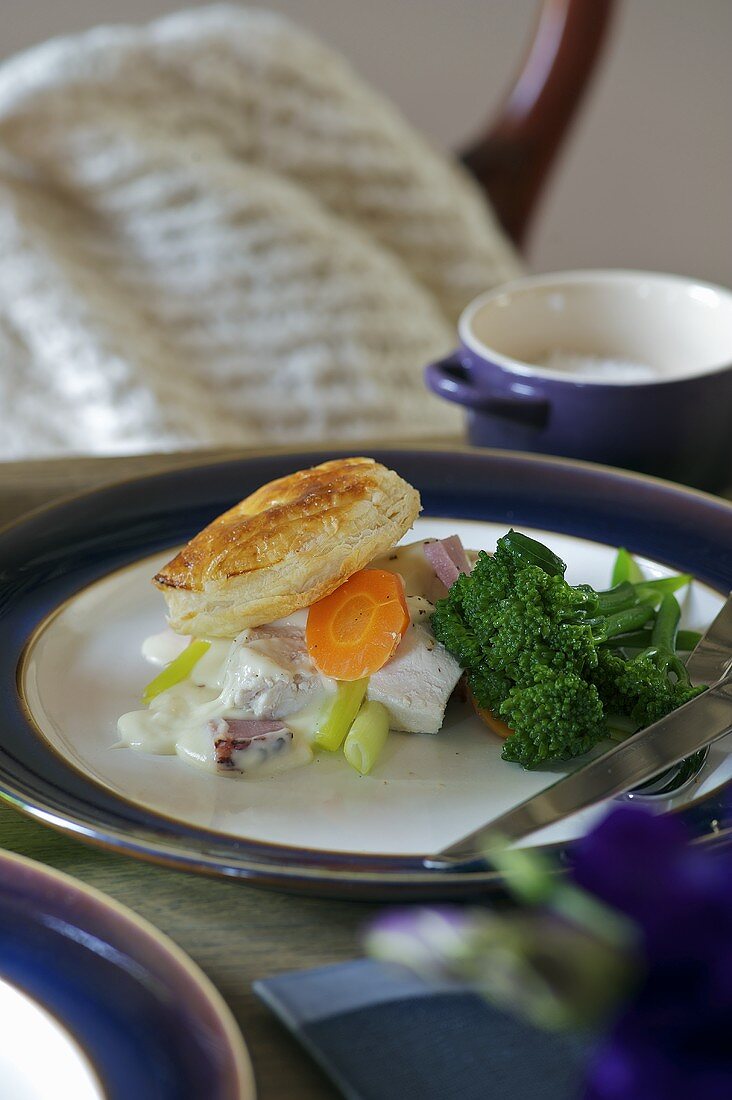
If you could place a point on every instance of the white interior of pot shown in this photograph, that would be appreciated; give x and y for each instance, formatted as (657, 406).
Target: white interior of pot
(669, 327)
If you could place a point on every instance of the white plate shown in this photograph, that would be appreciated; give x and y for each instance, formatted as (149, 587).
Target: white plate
(83, 669)
(64, 1069)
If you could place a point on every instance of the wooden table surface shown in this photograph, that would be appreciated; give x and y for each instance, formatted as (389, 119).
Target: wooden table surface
(234, 932)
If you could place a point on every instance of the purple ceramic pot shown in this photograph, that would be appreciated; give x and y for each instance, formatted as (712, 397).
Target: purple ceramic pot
(625, 368)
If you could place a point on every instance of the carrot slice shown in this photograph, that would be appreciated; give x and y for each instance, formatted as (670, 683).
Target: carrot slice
(492, 721)
(354, 631)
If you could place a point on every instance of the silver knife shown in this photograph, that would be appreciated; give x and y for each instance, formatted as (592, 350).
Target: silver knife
(713, 655)
(639, 758)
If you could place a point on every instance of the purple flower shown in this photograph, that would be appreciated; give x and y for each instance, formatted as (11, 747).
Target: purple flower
(430, 941)
(537, 964)
(674, 1039)
(640, 930)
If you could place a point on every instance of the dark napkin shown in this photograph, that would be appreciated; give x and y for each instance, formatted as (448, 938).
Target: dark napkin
(381, 1033)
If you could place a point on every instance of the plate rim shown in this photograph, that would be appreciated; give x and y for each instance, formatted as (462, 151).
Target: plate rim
(174, 958)
(340, 448)
(355, 875)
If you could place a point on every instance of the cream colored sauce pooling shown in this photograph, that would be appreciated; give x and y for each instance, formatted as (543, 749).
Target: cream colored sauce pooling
(410, 563)
(176, 721)
(160, 649)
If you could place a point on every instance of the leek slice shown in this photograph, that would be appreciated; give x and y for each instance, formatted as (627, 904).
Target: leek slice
(367, 736)
(338, 714)
(177, 670)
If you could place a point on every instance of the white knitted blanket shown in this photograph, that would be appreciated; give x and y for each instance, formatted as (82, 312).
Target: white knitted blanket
(212, 232)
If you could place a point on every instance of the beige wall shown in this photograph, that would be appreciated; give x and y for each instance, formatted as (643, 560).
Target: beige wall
(647, 178)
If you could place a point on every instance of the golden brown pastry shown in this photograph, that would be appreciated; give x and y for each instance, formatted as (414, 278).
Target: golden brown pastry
(287, 545)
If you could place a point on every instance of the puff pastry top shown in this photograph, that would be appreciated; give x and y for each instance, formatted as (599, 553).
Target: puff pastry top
(287, 545)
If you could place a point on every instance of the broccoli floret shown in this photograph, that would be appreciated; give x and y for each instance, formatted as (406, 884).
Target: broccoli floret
(450, 626)
(521, 623)
(557, 716)
(489, 688)
(482, 594)
(652, 684)
(532, 648)
(640, 689)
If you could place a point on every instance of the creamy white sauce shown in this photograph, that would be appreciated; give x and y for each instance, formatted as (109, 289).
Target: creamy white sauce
(247, 662)
(209, 670)
(303, 723)
(160, 649)
(298, 620)
(194, 746)
(170, 716)
(176, 721)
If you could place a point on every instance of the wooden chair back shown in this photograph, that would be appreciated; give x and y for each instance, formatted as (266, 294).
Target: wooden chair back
(512, 159)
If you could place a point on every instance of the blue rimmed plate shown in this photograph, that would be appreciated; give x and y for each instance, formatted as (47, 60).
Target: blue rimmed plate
(76, 603)
(116, 1009)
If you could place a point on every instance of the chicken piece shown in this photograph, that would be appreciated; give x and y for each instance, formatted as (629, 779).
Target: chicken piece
(417, 682)
(269, 673)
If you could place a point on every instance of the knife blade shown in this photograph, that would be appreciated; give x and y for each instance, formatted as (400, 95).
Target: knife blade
(707, 663)
(636, 760)
(713, 654)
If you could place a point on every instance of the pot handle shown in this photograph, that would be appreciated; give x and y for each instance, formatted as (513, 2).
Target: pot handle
(449, 379)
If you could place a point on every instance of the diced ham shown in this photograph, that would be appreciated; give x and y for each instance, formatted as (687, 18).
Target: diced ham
(241, 735)
(448, 559)
(244, 729)
(456, 550)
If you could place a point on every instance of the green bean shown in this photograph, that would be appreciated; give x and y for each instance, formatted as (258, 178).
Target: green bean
(686, 640)
(665, 585)
(626, 568)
